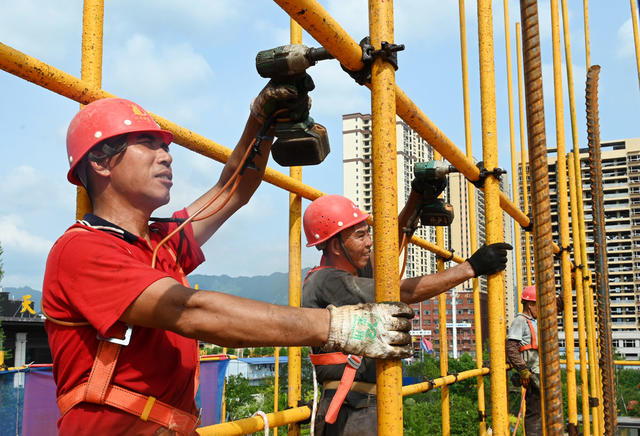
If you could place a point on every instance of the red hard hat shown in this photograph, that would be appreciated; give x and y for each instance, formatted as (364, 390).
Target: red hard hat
(326, 216)
(529, 293)
(104, 119)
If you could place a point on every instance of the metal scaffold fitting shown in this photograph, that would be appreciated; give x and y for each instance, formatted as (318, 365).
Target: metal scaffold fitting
(388, 52)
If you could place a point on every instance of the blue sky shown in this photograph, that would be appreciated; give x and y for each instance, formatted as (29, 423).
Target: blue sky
(193, 62)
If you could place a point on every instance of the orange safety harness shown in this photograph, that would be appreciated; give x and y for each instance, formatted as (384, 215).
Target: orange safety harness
(352, 363)
(99, 389)
(534, 343)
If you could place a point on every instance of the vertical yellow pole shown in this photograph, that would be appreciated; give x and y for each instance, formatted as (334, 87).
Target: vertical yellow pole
(523, 160)
(587, 46)
(471, 199)
(563, 217)
(512, 142)
(634, 21)
(90, 71)
(385, 206)
(294, 367)
(276, 383)
(444, 344)
(575, 228)
(493, 220)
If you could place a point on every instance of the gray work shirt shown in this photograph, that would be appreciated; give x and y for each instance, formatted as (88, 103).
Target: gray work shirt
(338, 287)
(520, 331)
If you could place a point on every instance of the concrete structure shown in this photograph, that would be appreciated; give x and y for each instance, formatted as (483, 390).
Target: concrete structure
(411, 149)
(621, 187)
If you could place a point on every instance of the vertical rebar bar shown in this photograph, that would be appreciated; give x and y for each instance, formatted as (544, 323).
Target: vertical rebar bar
(542, 231)
(600, 251)
(471, 199)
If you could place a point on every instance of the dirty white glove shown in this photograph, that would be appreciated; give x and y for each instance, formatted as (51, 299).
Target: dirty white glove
(380, 331)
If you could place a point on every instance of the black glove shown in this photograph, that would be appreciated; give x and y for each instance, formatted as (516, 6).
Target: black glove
(489, 259)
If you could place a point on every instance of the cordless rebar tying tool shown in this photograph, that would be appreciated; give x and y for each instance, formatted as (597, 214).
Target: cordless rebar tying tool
(301, 141)
(431, 176)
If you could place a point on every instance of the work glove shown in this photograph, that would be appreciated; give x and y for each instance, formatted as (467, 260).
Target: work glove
(276, 96)
(380, 331)
(525, 378)
(489, 259)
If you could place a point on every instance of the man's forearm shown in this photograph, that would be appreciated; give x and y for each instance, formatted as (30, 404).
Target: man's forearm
(417, 289)
(514, 356)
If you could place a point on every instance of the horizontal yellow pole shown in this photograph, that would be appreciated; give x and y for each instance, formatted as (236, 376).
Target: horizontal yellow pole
(615, 362)
(317, 21)
(442, 381)
(256, 423)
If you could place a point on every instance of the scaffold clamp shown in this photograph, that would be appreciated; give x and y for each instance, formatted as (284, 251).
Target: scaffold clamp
(566, 248)
(529, 228)
(450, 258)
(388, 52)
(594, 402)
(484, 173)
(481, 416)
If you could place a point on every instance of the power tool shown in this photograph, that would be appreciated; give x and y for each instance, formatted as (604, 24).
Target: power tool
(301, 141)
(431, 178)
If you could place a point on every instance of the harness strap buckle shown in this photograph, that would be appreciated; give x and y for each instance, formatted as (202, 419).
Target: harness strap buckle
(354, 361)
(124, 341)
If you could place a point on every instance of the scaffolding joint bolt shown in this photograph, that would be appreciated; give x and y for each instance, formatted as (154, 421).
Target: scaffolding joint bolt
(484, 173)
(388, 52)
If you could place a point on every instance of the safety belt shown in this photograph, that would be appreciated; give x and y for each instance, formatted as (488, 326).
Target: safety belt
(534, 342)
(352, 364)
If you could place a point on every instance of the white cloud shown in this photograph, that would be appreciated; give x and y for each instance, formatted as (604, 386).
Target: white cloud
(16, 238)
(625, 45)
(26, 188)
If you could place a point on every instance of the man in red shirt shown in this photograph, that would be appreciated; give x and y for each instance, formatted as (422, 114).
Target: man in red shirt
(122, 320)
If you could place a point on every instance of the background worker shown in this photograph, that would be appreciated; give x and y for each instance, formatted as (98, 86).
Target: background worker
(336, 226)
(522, 354)
(122, 320)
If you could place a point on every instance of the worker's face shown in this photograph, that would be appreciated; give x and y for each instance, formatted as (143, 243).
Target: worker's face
(357, 240)
(142, 172)
(532, 308)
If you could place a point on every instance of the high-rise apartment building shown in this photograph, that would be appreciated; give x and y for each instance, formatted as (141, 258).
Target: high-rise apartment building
(621, 188)
(358, 186)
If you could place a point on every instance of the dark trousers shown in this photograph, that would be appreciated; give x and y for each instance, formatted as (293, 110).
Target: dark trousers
(533, 414)
(358, 415)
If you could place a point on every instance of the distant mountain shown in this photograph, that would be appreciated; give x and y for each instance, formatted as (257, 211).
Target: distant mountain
(273, 288)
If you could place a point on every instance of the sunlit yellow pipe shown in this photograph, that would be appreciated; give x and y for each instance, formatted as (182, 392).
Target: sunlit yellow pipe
(294, 367)
(442, 381)
(493, 221)
(575, 227)
(618, 362)
(587, 45)
(512, 142)
(523, 159)
(563, 216)
(90, 71)
(256, 423)
(471, 200)
(385, 205)
(634, 21)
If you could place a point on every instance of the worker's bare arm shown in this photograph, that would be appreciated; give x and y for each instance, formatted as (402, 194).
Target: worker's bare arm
(416, 289)
(225, 320)
(251, 179)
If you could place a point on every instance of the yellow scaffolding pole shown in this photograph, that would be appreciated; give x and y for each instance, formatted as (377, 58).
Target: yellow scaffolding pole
(90, 71)
(442, 335)
(587, 46)
(256, 423)
(493, 221)
(584, 376)
(634, 21)
(313, 18)
(294, 367)
(385, 203)
(514, 178)
(523, 160)
(563, 218)
(471, 200)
